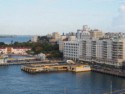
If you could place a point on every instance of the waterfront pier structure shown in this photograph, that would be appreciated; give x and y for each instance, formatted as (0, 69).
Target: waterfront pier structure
(34, 68)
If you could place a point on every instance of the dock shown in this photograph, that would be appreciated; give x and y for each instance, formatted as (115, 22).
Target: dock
(35, 68)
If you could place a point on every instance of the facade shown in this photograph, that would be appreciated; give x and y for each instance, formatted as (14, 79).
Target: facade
(14, 50)
(61, 45)
(111, 52)
(71, 50)
(56, 35)
(118, 35)
(54, 39)
(96, 33)
(63, 39)
(83, 33)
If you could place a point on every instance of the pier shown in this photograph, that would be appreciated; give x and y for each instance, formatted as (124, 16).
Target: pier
(55, 67)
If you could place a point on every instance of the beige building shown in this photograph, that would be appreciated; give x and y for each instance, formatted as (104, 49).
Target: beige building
(96, 33)
(56, 35)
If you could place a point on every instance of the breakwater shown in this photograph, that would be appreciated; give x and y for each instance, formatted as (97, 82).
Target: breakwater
(110, 71)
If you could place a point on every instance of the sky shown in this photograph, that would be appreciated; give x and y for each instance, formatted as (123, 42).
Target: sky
(40, 17)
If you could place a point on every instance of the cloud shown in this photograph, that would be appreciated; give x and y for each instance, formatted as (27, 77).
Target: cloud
(119, 21)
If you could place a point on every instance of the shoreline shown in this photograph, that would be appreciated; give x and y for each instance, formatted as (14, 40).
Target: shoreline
(105, 70)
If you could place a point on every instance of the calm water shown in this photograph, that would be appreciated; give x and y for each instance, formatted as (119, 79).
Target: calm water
(15, 81)
(15, 39)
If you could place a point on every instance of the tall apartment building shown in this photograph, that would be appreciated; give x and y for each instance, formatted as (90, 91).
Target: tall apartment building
(92, 46)
(71, 50)
(111, 52)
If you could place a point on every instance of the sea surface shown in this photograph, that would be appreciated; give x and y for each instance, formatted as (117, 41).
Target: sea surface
(15, 81)
(9, 40)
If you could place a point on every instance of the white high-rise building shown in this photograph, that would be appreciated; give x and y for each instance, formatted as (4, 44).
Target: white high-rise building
(71, 50)
(111, 52)
(108, 50)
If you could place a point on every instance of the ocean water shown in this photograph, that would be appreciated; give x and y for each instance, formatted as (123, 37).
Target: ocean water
(8, 40)
(15, 81)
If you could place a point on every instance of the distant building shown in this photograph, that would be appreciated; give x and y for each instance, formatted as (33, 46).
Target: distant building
(14, 50)
(116, 35)
(41, 56)
(54, 38)
(96, 34)
(71, 38)
(56, 35)
(61, 42)
(83, 33)
(34, 39)
(49, 35)
(63, 39)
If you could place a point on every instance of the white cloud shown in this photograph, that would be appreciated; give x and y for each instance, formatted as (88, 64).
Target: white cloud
(122, 8)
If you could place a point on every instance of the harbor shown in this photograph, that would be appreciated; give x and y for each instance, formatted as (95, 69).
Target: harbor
(56, 67)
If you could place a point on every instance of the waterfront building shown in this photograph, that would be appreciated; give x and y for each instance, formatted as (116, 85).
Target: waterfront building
(93, 46)
(111, 52)
(71, 50)
(14, 50)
